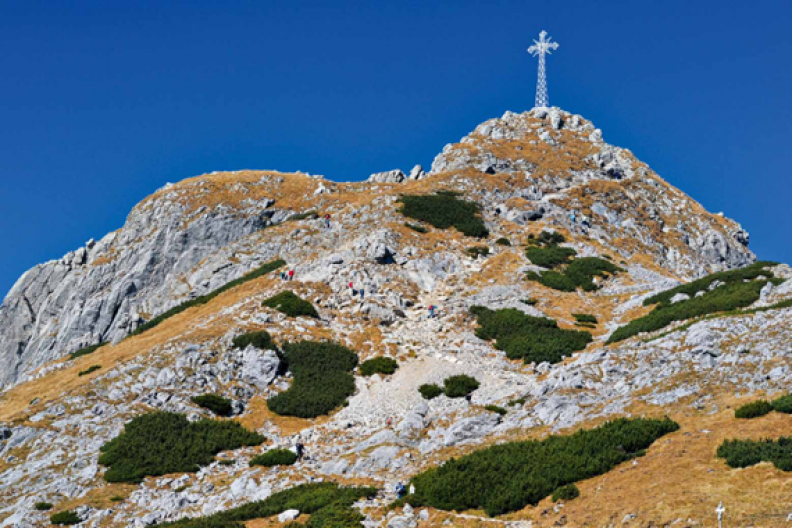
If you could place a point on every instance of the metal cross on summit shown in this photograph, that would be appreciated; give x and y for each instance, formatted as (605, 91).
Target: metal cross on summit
(541, 47)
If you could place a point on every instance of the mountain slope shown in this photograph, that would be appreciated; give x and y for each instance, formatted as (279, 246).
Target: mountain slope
(528, 173)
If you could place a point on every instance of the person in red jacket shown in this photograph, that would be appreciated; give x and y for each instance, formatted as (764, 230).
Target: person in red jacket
(291, 274)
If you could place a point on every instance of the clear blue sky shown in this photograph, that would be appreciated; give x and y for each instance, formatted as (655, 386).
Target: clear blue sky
(102, 102)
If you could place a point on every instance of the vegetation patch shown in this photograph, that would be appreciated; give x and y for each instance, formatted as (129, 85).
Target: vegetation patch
(215, 403)
(430, 391)
(43, 506)
(477, 251)
(496, 409)
(783, 404)
(733, 289)
(510, 476)
(261, 340)
(203, 299)
(65, 518)
(522, 336)
(503, 242)
(322, 379)
(530, 302)
(460, 386)
(289, 303)
(444, 210)
(585, 319)
(753, 409)
(92, 368)
(158, 443)
(568, 492)
(579, 273)
(274, 457)
(745, 453)
(312, 499)
(416, 227)
(762, 407)
(87, 350)
(549, 257)
(379, 365)
(545, 238)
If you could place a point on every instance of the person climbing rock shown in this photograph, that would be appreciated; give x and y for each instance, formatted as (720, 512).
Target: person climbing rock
(300, 449)
(362, 293)
(432, 311)
(327, 220)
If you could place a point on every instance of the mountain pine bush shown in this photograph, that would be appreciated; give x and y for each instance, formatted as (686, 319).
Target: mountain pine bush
(203, 299)
(477, 251)
(576, 273)
(92, 368)
(65, 518)
(311, 499)
(443, 210)
(460, 386)
(430, 391)
(274, 457)
(163, 442)
(261, 340)
(87, 350)
(585, 318)
(567, 493)
(289, 303)
(215, 403)
(550, 256)
(532, 339)
(507, 477)
(322, 379)
(753, 409)
(783, 404)
(740, 288)
(744, 453)
(378, 365)
(43, 506)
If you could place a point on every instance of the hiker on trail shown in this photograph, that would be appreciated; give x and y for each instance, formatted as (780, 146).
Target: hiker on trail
(432, 311)
(362, 292)
(400, 490)
(572, 217)
(291, 274)
(283, 275)
(390, 422)
(300, 448)
(327, 221)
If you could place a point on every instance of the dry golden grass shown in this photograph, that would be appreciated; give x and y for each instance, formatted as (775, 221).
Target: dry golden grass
(194, 325)
(681, 478)
(257, 415)
(98, 497)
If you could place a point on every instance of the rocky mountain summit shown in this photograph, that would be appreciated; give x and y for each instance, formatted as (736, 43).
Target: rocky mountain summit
(572, 229)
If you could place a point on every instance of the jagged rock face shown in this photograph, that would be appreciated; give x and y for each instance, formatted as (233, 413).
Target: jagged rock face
(95, 293)
(196, 235)
(559, 164)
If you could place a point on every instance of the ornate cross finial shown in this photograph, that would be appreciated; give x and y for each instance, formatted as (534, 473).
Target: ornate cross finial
(542, 47)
